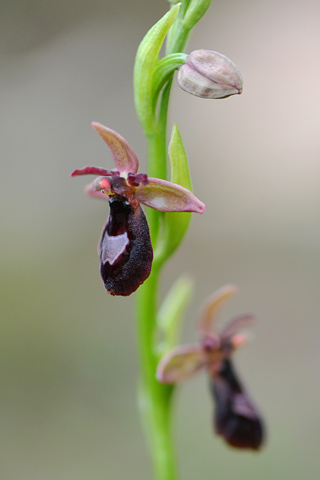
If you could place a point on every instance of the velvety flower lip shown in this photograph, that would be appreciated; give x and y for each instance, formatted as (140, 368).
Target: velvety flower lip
(236, 418)
(125, 246)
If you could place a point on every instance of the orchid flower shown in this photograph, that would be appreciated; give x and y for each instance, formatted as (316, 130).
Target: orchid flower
(236, 418)
(125, 247)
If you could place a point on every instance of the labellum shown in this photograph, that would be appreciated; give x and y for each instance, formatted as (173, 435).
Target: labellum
(236, 419)
(125, 247)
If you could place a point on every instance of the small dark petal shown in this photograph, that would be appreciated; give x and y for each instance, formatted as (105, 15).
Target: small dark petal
(134, 179)
(236, 419)
(125, 248)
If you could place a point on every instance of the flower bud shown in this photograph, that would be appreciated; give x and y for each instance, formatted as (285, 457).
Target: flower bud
(209, 74)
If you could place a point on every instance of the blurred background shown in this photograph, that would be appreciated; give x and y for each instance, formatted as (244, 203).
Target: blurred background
(67, 349)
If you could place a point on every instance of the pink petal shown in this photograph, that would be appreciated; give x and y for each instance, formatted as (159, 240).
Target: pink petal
(94, 171)
(168, 197)
(124, 157)
(180, 363)
(212, 306)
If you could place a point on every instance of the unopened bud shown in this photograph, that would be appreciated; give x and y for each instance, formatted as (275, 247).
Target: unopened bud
(209, 74)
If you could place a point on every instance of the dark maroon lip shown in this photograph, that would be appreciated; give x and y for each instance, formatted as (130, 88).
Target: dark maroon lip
(125, 269)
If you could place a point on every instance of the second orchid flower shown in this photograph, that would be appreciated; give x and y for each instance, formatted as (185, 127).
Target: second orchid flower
(236, 418)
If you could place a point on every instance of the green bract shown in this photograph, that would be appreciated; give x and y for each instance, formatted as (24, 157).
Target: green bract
(144, 69)
(171, 312)
(195, 11)
(175, 225)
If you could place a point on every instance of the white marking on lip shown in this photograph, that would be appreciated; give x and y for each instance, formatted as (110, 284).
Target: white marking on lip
(242, 406)
(114, 246)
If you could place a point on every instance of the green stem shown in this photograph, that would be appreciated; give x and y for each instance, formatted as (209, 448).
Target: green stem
(158, 169)
(157, 157)
(154, 396)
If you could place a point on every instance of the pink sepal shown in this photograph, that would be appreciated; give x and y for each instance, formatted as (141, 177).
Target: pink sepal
(168, 197)
(180, 363)
(212, 307)
(124, 157)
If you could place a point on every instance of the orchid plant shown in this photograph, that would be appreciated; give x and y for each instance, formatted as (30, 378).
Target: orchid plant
(134, 246)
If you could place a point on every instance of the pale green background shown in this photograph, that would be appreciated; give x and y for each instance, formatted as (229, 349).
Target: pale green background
(68, 359)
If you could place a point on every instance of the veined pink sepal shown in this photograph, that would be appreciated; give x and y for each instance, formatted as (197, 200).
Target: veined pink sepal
(168, 197)
(212, 307)
(123, 155)
(180, 363)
